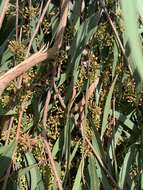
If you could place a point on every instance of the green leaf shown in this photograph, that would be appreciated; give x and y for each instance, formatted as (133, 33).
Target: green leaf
(116, 53)
(94, 180)
(23, 171)
(140, 9)
(124, 119)
(77, 182)
(103, 178)
(73, 154)
(84, 33)
(62, 79)
(129, 8)
(124, 172)
(107, 108)
(75, 14)
(1, 5)
(6, 153)
(36, 182)
(5, 60)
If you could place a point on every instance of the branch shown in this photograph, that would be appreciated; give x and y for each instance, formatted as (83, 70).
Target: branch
(39, 56)
(45, 114)
(51, 160)
(4, 9)
(25, 66)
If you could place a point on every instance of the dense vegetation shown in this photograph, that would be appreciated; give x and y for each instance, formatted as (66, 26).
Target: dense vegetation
(71, 108)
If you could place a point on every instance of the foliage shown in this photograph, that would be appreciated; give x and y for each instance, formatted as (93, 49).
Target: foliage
(94, 125)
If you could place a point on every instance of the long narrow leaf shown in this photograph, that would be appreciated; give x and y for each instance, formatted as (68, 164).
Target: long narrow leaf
(107, 108)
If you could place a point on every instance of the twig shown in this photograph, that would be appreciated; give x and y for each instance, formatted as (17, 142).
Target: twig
(71, 101)
(52, 163)
(30, 3)
(17, 16)
(38, 26)
(9, 128)
(45, 114)
(59, 96)
(20, 121)
(63, 22)
(4, 9)
(58, 44)
(89, 93)
(41, 7)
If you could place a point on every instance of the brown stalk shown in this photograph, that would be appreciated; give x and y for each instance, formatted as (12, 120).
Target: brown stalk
(24, 66)
(59, 96)
(89, 93)
(58, 44)
(45, 114)
(62, 24)
(52, 163)
(4, 9)
(9, 129)
(40, 9)
(20, 120)
(17, 17)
